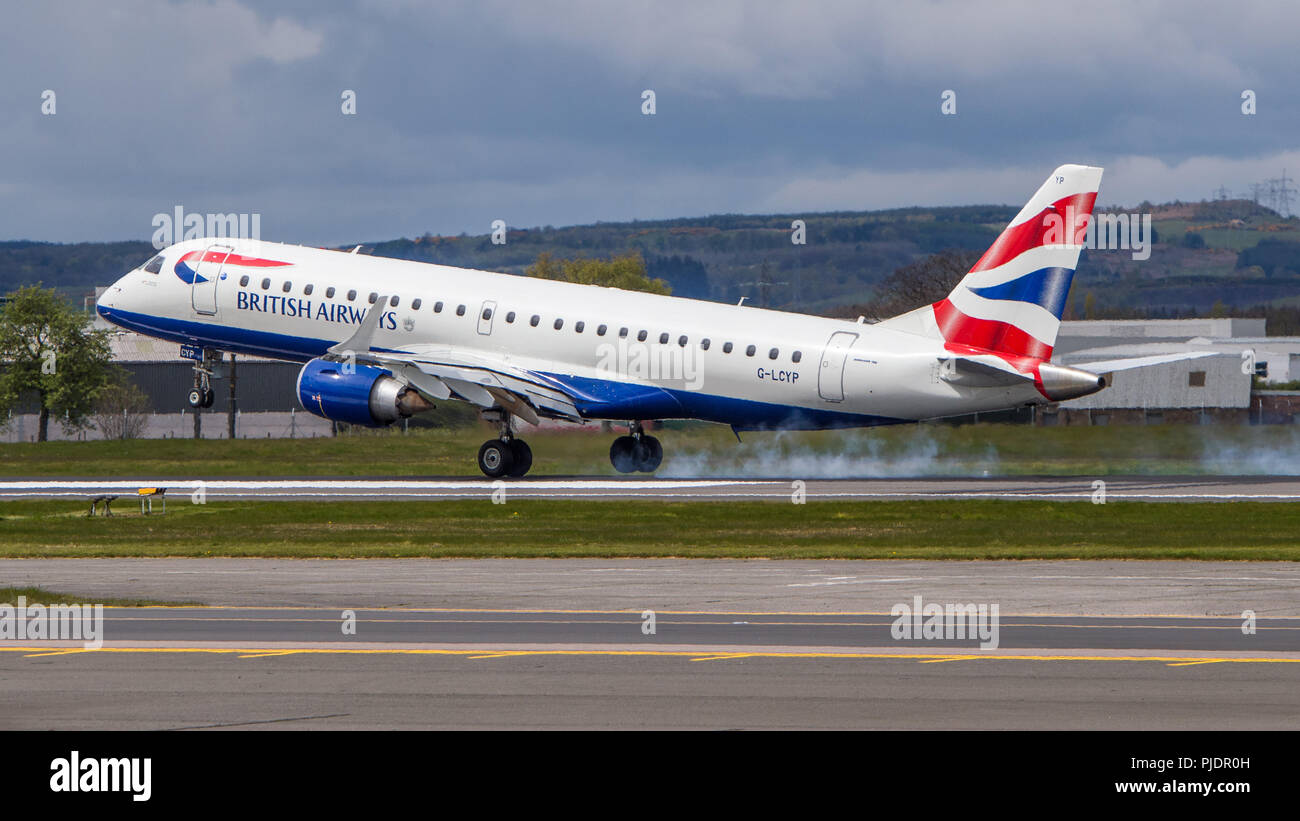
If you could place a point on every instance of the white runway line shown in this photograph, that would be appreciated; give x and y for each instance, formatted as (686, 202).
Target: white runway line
(717, 489)
(364, 484)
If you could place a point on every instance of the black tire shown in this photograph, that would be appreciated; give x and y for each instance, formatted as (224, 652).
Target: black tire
(652, 454)
(196, 398)
(209, 398)
(523, 458)
(495, 458)
(623, 454)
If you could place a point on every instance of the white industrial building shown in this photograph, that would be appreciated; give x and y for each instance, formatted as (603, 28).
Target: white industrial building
(1213, 387)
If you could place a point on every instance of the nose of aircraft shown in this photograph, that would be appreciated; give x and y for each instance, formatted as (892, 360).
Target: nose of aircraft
(111, 300)
(108, 299)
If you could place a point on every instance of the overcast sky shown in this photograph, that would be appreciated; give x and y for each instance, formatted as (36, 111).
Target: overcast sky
(530, 112)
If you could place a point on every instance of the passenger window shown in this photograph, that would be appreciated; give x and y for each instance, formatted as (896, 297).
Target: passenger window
(307, 289)
(286, 287)
(437, 307)
(243, 280)
(577, 329)
(392, 303)
(622, 333)
(704, 343)
(373, 297)
(663, 339)
(266, 283)
(329, 292)
(416, 303)
(534, 320)
(460, 310)
(796, 356)
(641, 335)
(559, 323)
(726, 348)
(600, 331)
(352, 295)
(487, 313)
(750, 350)
(681, 340)
(510, 317)
(154, 265)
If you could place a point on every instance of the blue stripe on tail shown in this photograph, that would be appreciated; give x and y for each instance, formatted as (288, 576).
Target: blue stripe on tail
(1046, 287)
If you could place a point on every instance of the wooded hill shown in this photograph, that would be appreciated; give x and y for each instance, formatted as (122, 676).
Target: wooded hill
(1220, 255)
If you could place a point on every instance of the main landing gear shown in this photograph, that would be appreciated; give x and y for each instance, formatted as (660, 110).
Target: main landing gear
(636, 452)
(506, 455)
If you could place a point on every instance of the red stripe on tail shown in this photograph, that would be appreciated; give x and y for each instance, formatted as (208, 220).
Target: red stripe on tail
(991, 335)
(1017, 239)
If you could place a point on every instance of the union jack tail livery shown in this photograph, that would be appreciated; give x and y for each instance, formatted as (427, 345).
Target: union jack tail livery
(1011, 301)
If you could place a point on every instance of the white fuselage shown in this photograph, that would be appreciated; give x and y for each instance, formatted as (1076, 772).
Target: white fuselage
(846, 373)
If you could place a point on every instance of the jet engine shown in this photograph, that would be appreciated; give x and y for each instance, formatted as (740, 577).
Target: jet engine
(356, 394)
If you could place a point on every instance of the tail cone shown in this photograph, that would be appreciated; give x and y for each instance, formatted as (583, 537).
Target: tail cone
(1060, 383)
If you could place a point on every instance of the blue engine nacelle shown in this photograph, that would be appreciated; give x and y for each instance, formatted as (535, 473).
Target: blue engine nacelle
(359, 395)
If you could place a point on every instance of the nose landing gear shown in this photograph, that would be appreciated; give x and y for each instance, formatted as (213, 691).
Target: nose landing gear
(202, 395)
(637, 452)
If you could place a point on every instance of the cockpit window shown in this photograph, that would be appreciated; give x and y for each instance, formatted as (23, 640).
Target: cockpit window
(154, 265)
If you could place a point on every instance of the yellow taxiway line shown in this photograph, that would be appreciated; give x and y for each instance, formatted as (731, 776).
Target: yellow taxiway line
(701, 654)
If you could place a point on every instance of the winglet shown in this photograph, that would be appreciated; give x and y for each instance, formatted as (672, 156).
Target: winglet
(360, 342)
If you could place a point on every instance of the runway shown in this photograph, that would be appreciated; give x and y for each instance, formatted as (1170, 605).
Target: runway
(454, 644)
(559, 631)
(1043, 488)
(191, 668)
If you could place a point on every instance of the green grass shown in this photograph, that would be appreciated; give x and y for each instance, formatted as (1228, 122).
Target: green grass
(966, 529)
(696, 450)
(39, 595)
(1234, 239)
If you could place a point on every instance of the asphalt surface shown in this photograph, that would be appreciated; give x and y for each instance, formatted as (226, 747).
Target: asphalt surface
(187, 668)
(169, 690)
(1078, 488)
(1088, 588)
(707, 631)
(736, 644)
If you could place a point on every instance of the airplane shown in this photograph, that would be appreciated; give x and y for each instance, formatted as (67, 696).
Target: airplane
(385, 339)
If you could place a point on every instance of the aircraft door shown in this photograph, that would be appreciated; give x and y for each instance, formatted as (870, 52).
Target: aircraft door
(203, 292)
(830, 376)
(485, 315)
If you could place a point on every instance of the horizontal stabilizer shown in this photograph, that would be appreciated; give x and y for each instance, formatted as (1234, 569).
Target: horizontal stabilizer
(1110, 365)
(975, 373)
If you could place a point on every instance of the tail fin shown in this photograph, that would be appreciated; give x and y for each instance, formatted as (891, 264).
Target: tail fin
(1011, 301)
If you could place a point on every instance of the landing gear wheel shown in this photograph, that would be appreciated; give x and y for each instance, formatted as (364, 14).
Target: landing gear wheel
(196, 398)
(522, 456)
(623, 454)
(651, 453)
(495, 458)
(209, 397)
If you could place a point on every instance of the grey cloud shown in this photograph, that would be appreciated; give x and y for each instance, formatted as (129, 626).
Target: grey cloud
(471, 111)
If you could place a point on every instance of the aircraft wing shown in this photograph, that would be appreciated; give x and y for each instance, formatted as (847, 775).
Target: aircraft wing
(484, 382)
(448, 374)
